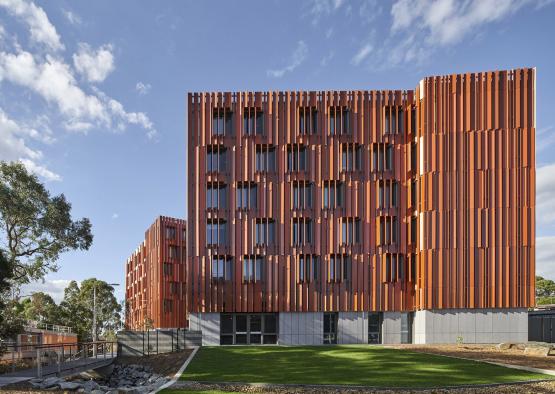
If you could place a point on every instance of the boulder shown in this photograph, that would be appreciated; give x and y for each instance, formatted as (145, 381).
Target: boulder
(538, 348)
(505, 346)
(90, 385)
(50, 382)
(69, 385)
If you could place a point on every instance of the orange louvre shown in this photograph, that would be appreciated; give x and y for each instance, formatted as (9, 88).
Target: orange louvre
(402, 200)
(155, 280)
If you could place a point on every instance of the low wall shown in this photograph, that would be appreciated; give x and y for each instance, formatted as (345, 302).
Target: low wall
(141, 343)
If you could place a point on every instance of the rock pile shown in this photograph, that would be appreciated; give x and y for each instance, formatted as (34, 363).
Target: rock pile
(131, 379)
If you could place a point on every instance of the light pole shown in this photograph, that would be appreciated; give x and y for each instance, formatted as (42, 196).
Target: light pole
(94, 315)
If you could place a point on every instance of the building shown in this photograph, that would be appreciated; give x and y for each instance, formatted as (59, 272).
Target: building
(155, 292)
(364, 216)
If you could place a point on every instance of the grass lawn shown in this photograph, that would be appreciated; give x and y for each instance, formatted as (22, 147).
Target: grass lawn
(342, 365)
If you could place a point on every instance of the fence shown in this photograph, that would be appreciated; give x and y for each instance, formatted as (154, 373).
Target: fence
(541, 326)
(141, 343)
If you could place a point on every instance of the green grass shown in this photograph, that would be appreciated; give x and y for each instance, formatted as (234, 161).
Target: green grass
(343, 365)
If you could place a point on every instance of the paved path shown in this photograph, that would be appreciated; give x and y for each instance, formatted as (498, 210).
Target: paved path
(67, 368)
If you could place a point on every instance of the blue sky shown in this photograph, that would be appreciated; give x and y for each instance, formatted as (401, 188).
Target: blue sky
(93, 94)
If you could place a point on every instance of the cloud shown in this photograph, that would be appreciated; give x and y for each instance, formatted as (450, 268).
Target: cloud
(297, 58)
(320, 8)
(545, 194)
(95, 66)
(14, 147)
(327, 59)
(72, 18)
(361, 54)
(421, 26)
(40, 28)
(54, 287)
(545, 257)
(142, 88)
(115, 215)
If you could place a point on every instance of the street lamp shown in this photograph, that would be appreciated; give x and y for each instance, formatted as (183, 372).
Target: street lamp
(94, 315)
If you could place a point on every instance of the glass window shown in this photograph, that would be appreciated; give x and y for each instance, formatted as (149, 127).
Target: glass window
(215, 232)
(246, 195)
(265, 158)
(296, 158)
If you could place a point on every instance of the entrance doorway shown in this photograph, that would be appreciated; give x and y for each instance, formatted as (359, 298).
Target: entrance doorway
(375, 327)
(330, 328)
(248, 328)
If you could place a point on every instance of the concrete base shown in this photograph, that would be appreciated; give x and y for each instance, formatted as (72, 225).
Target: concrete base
(208, 324)
(352, 327)
(471, 326)
(301, 328)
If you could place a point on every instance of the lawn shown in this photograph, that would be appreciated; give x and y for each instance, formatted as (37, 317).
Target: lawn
(343, 365)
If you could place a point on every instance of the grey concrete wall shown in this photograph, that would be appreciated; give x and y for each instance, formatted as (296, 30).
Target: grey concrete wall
(391, 328)
(471, 325)
(208, 324)
(301, 328)
(352, 327)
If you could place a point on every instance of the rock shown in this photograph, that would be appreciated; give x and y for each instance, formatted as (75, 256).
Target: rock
(504, 346)
(538, 348)
(69, 385)
(50, 382)
(90, 385)
(97, 392)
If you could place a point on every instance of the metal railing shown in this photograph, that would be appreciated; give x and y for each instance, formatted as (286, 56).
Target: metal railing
(57, 358)
(48, 327)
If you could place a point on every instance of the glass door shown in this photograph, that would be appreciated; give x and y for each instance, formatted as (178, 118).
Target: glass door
(375, 328)
(330, 328)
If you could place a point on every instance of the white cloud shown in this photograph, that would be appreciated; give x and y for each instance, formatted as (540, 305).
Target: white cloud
(13, 146)
(429, 24)
(142, 88)
(361, 54)
(545, 194)
(319, 8)
(115, 215)
(297, 58)
(40, 28)
(72, 18)
(54, 287)
(94, 65)
(545, 257)
(327, 59)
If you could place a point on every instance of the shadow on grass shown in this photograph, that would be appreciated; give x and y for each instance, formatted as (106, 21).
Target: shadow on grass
(343, 365)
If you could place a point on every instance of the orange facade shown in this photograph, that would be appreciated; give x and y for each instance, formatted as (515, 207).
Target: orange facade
(155, 277)
(364, 200)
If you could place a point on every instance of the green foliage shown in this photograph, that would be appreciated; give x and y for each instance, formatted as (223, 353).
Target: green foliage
(545, 291)
(36, 226)
(42, 308)
(11, 323)
(77, 309)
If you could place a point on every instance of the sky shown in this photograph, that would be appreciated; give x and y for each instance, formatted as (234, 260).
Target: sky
(93, 93)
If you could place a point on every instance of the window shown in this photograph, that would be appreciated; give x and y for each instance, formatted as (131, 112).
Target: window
(168, 305)
(170, 232)
(296, 158)
(413, 119)
(253, 121)
(173, 252)
(308, 268)
(222, 122)
(395, 269)
(252, 268)
(264, 232)
(174, 287)
(383, 156)
(302, 195)
(389, 230)
(334, 194)
(387, 194)
(215, 158)
(413, 225)
(222, 268)
(351, 157)
(350, 231)
(307, 120)
(216, 196)
(406, 327)
(413, 157)
(265, 158)
(340, 120)
(167, 269)
(245, 195)
(339, 268)
(302, 232)
(184, 234)
(413, 194)
(215, 232)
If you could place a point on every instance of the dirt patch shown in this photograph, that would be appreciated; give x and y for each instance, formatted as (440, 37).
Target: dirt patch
(166, 364)
(527, 388)
(513, 356)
